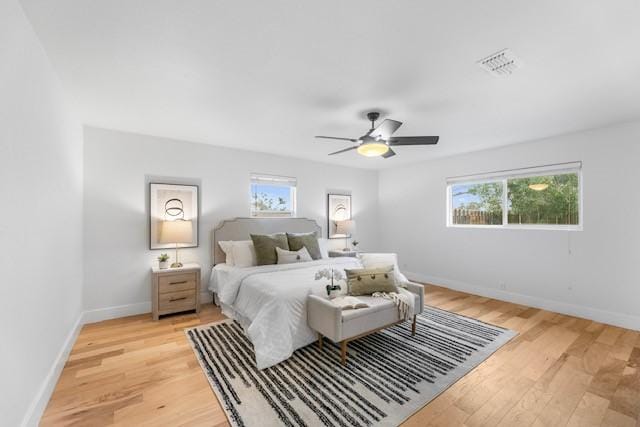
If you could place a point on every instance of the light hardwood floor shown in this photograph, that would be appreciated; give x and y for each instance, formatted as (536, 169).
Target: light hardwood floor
(560, 370)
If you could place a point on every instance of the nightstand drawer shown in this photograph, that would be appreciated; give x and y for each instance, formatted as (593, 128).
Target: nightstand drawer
(174, 290)
(177, 282)
(177, 301)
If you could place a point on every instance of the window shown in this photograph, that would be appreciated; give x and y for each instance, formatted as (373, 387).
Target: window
(546, 197)
(477, 203)
(273, 196)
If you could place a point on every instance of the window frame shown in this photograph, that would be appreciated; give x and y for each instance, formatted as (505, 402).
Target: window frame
(504, 177)
(275, 180)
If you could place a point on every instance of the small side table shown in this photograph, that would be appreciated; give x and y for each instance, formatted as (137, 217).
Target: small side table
(338, 254)
(175, 289)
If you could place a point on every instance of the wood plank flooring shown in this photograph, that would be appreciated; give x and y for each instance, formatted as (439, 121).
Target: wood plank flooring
(560, 371)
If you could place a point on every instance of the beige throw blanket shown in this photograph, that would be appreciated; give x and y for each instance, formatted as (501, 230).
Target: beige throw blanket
(403, 300)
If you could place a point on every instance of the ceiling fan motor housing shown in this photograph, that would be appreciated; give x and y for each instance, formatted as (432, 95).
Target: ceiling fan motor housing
(373, 116)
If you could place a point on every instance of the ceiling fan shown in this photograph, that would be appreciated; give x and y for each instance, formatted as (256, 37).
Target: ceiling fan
(378, 140)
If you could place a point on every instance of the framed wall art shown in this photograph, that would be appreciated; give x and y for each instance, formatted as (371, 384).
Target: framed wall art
(172, 202)
(338, 209)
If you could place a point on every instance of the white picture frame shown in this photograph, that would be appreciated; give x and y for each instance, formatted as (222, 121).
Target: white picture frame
(168, 202)
(338, 209)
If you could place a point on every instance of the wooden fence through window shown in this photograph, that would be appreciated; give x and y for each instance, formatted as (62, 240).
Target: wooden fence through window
(468, 216)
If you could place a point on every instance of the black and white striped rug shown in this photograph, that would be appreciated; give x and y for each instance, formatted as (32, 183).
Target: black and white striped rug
(389, 375)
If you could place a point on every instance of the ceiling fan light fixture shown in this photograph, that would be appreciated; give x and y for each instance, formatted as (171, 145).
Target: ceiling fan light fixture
(372, 149)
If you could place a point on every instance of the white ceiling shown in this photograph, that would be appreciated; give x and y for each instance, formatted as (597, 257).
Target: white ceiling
(269, 75)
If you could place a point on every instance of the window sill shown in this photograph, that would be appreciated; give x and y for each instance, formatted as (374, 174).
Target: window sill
(272, 215)
(520, 227)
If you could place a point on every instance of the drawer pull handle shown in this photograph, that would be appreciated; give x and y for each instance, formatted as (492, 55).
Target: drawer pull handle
(178, 283)
(177, 299)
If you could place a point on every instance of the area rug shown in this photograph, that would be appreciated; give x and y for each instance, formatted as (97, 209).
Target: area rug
(389, 375)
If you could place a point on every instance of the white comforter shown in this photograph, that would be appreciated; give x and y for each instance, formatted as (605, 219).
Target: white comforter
(270, 303)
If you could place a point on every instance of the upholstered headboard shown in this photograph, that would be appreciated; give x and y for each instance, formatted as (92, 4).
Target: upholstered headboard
(241, 228)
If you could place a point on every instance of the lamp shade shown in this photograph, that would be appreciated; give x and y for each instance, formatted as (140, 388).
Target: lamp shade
(178, 231)
(345, 227)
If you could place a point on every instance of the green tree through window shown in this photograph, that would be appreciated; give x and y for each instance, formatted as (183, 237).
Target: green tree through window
(551, 199)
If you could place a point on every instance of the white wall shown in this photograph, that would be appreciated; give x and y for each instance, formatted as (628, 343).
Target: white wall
(116, 169)
(40, 222)
(593, 273)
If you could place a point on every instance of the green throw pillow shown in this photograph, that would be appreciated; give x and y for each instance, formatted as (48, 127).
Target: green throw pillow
(365, 281)
(298, 241)
(265, 246)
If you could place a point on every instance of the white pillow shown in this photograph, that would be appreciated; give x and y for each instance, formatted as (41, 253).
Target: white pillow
(227, 248)
(323, 244)
(370, 260)
(244, 254)
(290, 257)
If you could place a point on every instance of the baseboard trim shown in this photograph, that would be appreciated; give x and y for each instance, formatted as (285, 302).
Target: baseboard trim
(603, 316)
(206, 297)
(107, 313)
(41, 400)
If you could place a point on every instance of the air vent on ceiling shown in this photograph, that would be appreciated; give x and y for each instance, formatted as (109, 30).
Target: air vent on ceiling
(502, 63)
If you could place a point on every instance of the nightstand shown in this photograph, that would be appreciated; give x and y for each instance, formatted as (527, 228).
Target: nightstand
(175, 289)
(338, 254)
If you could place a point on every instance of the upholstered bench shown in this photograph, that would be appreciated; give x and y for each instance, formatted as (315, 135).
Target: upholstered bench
(342, 326)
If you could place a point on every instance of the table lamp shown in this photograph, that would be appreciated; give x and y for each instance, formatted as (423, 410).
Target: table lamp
(176, 232)
(345, 227)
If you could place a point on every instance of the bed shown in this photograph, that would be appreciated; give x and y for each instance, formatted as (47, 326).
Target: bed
(269, 301)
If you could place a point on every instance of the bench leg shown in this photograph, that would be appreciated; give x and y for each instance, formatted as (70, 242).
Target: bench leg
(343, 352)
(320, 341)
(413, 325)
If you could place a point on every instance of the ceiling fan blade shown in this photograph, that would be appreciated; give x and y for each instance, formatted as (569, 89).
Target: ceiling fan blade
(414, 140)
(389, 153)
(336, 138)
(342, 151)
(385, 129)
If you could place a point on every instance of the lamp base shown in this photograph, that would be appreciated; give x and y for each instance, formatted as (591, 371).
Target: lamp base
(176, 265)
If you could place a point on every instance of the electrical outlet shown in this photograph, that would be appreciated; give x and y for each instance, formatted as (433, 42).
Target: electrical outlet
(570, 287)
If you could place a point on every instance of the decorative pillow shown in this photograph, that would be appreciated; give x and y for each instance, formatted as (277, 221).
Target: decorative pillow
(371, 260)
(266, 244)
(244, 254)
(324, 248)
(298, 241)
(290, 257)
(365, 281)
(227, 248)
